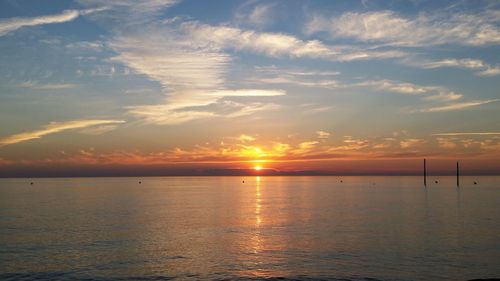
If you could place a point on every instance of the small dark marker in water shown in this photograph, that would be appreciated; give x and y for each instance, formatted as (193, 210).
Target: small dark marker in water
(341, 181)
(140, 182)
(243, 181)
(475, 182)
(436, 181)
(31, 183)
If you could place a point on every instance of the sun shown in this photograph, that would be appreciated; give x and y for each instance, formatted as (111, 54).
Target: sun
(257, 168)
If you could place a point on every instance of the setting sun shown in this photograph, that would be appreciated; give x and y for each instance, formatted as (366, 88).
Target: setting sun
(258, 168)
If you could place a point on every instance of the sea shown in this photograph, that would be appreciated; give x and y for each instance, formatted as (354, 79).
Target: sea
(250, 228)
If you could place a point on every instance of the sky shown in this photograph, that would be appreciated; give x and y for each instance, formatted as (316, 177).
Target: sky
(172, 86)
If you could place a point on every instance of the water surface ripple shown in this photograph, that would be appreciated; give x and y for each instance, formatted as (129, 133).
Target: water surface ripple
(265, 228)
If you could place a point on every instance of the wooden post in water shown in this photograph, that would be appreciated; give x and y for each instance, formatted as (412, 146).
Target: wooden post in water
(458, 175)
(425, 174)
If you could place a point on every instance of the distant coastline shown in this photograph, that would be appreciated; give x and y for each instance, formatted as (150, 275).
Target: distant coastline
(158, 172)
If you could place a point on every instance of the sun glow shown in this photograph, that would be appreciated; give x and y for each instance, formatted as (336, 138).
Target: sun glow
(257, 168)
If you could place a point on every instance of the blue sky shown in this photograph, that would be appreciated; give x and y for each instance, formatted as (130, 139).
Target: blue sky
(167, 81)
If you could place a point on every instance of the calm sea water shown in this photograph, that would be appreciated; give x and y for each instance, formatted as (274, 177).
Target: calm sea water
(385, 228)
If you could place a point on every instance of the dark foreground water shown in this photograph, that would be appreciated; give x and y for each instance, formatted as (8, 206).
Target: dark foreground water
(302, 228)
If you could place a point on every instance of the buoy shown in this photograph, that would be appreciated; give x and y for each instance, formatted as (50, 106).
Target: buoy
(31, 183)
(475, 182)
(140, 182)
(436, 181)
(243, 181)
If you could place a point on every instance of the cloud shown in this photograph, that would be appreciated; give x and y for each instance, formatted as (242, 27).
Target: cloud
(166, 114)
(350, 144)
(46, 86)
(389, 28)
(99, 130)
(86, 45)
(257, 15)
(457, 106)
(410, 143)
(245, 148)
(288, 79)
(246, 93)
(481, 68)
(314, 109)
(490, 71)
(245, 138)
(322, 134)
(300, 77)
(277, 44)
(384, 143)
(490, 145)
(444, 96)
(468, 134)
(171, 59)
(173, 113)
(12, 24)
(53, 128)
(305, 147)
(125, 14)
(274, 70)
(190, 60)
(464, 63)
(250, 108)
(191, 72)
(433, 93)
(446, 143)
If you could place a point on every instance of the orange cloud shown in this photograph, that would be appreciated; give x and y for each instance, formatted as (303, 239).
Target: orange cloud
(409, 143)
(241, 150)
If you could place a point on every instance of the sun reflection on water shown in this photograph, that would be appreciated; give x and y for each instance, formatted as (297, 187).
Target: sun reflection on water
(257, 245)
(258, 199)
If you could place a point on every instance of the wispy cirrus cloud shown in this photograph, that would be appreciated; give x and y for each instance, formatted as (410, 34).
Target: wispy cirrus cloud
(434, 94)
(255, 13)
(490, 71)
(192, 73)
(98, 130)
(46, 86)
(468, 134)
(274, 70)
(293, 80)
(278, 44)
(457, 106)
(169, 57)
(437, 98)
(190, 60)
(390, 28)
(299, 77)
(12, 24)
(429, 93)
(53, 128)
(125, 14)
(481, 68)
